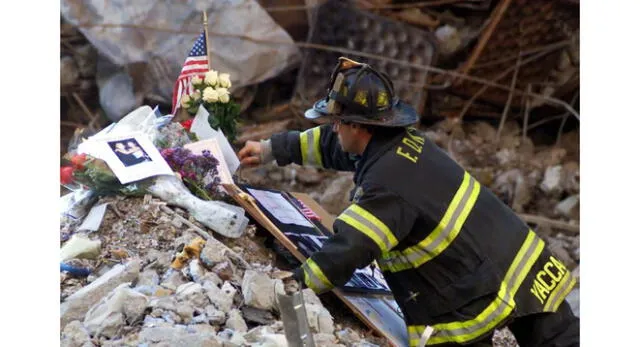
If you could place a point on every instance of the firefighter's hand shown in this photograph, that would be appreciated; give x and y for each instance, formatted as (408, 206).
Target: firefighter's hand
(255, 153)
(250, 154)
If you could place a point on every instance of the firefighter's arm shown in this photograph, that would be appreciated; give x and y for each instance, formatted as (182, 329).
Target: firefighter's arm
(318, 147)
(364, 231)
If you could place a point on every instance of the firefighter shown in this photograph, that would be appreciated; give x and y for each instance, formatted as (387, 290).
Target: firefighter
(455, 256)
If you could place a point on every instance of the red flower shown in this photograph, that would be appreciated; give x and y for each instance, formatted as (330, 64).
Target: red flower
(187, 124)
(78, 161)
(66, 174)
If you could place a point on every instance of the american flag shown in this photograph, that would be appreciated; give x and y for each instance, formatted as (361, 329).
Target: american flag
(195, 65)
(307, 211)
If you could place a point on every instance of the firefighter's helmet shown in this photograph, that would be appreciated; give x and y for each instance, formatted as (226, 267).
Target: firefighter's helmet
(360, 94)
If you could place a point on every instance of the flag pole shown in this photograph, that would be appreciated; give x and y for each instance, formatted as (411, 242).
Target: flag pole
(206, 37)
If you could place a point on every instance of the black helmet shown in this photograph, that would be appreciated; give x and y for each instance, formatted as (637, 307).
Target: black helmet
(360, 94)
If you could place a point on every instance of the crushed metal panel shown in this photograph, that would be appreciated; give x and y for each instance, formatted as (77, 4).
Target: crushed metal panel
(338, 24)
(520, 25)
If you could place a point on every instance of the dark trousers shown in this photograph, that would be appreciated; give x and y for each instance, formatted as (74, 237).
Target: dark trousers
(559, 329)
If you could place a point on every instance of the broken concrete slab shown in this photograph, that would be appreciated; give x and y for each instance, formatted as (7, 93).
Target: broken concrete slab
(272, 340)
(235, 321)
(325, 340)
(256, 315)
(255, 334)
(192, 293)
(195, 270)
(173, 279)
(259, 290)
(77, 304)
(336, 195)
(223, 300)
(177, 335)
(148, 277)
(552, 181)
(213, 253)
(319, 318)
(225, 270)
(569, 207)
(75, 335)
(348, 336)
(111, 313)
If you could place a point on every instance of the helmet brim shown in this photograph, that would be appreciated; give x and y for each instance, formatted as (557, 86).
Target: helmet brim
(401, 114)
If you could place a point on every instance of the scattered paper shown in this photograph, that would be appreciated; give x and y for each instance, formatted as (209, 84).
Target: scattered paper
(204, 131)
(131, 157)
(74, 205)
(280, 208)
(214, 148)
(93, 220)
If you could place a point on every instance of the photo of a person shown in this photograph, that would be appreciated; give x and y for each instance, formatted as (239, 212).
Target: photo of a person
(129, 152)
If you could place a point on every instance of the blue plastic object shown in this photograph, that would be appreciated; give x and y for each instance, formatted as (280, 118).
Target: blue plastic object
(75, 271)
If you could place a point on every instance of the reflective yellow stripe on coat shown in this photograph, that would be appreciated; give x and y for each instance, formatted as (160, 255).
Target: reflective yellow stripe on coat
(314, 278)
(442, 236)
(310, 147)
(498, 309)
(368, 224)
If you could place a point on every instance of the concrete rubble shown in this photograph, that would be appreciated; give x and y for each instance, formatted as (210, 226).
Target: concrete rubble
(141, 300)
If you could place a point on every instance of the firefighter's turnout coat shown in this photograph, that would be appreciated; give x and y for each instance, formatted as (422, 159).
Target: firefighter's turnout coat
(454, 255)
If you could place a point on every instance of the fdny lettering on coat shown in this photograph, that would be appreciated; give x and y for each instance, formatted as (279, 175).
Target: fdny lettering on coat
(411, 147)
(547, 279)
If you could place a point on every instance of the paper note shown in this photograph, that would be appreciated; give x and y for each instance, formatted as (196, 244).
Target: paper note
(94, 218)
(203, 130)
(214, 148)
(280, 208)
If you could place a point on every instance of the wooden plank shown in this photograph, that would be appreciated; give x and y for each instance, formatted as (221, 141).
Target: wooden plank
(373, 310)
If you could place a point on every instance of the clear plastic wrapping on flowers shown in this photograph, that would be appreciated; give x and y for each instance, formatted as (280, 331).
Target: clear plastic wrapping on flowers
(171, 135)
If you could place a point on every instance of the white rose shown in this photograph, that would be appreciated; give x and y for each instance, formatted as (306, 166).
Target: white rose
(224, 80)
(184, 101)
(196, 80)
(223, 94)
(196, 95)
(211, 78)
(210, 95)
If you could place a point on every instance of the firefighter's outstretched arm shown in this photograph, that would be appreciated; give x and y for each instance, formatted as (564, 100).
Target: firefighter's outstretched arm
(318, 147)
(364, 231)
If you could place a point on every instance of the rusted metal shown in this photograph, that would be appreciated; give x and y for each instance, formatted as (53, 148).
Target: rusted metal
(519, 25)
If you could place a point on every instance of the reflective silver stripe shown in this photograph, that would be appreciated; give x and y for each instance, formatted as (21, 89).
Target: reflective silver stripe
(310, 147)
(566, 283)
(448, 233)
(312, 280)
(501, 307)
(379, 232)
(311, 158)
(414, 334)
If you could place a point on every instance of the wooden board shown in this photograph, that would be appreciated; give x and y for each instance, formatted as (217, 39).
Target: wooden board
(378, 312)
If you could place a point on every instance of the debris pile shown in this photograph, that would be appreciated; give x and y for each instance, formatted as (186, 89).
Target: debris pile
(157, 282)
(150, 275)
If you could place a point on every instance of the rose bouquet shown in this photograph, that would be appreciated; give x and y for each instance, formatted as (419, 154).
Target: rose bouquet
(213, 93)
(94, 174)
